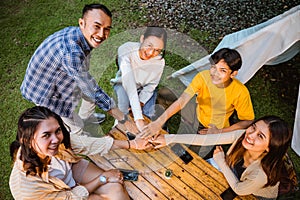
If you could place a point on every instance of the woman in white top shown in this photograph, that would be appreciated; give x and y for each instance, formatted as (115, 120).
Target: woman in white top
(140, 65)
(254, 162)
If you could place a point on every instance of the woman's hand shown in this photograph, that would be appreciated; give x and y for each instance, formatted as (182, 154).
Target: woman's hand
(140, 123)
(113, 176)
(218, 153)
(218, 149)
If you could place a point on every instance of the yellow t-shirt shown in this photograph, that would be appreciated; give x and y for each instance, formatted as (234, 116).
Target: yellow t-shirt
(215, 105)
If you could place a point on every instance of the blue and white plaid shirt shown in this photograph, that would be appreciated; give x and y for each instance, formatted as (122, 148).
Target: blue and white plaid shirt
(58, 75)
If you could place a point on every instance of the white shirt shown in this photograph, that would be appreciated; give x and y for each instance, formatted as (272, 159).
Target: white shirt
(62, 170)
(137, 74)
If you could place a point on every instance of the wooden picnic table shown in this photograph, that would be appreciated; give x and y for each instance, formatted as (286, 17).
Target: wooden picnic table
(193, 181)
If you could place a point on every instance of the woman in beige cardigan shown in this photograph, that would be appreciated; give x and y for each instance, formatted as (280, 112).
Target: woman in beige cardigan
(253, 163)
(46, 167)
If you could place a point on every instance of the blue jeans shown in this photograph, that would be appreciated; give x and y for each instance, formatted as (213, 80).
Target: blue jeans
(212, 162)
(123, 101)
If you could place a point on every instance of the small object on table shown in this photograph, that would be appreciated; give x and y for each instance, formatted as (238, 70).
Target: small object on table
(168, 173)
(129, 175)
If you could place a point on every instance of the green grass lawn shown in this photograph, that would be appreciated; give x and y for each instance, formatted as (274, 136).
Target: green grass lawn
(25, 24)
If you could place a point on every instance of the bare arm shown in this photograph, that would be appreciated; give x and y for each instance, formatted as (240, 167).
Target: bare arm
(113, 176)
(138, 143)
(153, 128)
(239, 125)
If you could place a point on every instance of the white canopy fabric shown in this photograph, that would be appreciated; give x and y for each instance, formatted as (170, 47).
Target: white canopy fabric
(296, 133)
(272, 42)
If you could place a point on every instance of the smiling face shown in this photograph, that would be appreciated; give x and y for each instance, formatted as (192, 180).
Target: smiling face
(47, 138)
(221, 75)
(95, 26)
(257, 138)
(151, 47)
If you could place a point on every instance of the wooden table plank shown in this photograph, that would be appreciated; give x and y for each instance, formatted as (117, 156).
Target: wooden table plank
(188, 174)
(144, 164)
(149, 173)
(147, 182)
(119, 159)
(195, 180)
(142, 185)
(200, 170)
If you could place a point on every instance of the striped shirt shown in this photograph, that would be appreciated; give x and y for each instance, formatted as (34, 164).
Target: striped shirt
(45, 186)
(58, 75)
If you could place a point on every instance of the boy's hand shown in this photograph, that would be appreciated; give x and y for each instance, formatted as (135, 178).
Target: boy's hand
(159, 141)
(212, 129)
(151, 129)
(141, 144)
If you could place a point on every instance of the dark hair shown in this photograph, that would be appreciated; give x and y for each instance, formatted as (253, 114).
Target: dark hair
(272, 162)
(27, 125)
(157, 32)
(230, 56)
(102, 7)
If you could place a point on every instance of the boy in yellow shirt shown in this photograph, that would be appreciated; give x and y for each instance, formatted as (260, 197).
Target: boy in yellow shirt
(218, 95)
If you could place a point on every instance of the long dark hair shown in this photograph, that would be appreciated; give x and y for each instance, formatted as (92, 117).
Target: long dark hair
(272, 162)
(27, 125)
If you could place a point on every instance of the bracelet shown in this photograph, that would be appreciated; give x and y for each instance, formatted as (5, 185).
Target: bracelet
(128, 144)
(136, 147)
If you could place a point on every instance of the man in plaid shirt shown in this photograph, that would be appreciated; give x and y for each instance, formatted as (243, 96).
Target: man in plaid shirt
(57, 76)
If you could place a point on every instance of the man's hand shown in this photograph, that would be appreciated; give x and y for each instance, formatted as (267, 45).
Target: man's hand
(129, 126)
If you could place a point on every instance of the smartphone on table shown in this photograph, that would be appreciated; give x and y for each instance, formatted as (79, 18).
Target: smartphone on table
(185, 156)
(129, 175)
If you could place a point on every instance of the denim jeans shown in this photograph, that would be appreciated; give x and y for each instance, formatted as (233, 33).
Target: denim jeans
(123, 101)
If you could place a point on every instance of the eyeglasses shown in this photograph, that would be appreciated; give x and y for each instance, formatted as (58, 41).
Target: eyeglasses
(156, 51)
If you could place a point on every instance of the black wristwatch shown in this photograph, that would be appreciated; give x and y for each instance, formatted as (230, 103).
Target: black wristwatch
(125, 118)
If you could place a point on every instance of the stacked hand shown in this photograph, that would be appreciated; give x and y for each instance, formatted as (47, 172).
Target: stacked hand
(150, 137)
(158, 141)
(149, 143)
(151, 129)
(141, 144)
(130, 126)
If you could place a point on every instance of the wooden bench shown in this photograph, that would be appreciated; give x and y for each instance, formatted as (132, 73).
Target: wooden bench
(195, 180)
